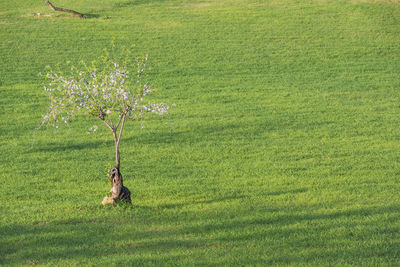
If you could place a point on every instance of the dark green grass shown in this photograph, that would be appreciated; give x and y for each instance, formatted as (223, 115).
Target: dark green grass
(283, 148)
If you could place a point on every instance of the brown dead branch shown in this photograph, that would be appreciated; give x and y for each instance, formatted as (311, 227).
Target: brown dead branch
(64, 10)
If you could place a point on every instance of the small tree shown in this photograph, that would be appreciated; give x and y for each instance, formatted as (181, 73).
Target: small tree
(111, 91)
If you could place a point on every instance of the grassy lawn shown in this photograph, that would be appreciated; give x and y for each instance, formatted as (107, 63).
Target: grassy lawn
(284, 147)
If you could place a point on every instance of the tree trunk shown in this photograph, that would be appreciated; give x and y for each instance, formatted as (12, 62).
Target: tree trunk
(117, 140)
(118, 192)
(64, 10)
(117, 157)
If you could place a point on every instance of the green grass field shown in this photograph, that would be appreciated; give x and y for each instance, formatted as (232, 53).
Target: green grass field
(284, 147)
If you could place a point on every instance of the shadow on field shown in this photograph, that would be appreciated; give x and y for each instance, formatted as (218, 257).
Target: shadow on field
(204, 133)
(197, 202)
(76, 145)
(156, 238)
(133, 3)
(92, 16)
(284, 192)
(225, 132)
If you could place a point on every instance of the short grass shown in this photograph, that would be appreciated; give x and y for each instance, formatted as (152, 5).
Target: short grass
(284, 147)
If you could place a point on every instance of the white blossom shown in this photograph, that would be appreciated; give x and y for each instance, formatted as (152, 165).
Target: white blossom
(100, 91)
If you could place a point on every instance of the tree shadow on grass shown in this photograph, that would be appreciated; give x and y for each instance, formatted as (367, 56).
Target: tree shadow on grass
(228, 198)
(67, 146)
(200, 202)
(132, 3)
(289, 238)
(284, 192)
(205, 133)
(93, 16)
(141, 139)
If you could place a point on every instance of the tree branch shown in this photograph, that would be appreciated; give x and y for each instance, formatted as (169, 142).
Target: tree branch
(120, 119)
(122, 127)
(116, 142)
(112, 124)
(108, 125)
(64, 10)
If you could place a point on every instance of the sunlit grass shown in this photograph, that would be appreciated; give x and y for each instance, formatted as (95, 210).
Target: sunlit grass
(283, 148)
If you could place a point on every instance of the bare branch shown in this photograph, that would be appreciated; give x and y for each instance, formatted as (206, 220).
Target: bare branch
(120, 119)
(108, 125)
(64, 10)
(122, 128)
(112, 125)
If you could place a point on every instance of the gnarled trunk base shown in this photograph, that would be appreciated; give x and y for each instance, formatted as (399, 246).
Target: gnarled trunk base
(118, 192)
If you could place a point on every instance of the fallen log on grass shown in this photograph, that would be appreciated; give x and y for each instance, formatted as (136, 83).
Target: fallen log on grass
(64, 10)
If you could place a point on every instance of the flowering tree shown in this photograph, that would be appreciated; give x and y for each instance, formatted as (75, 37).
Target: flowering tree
(112, 93)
